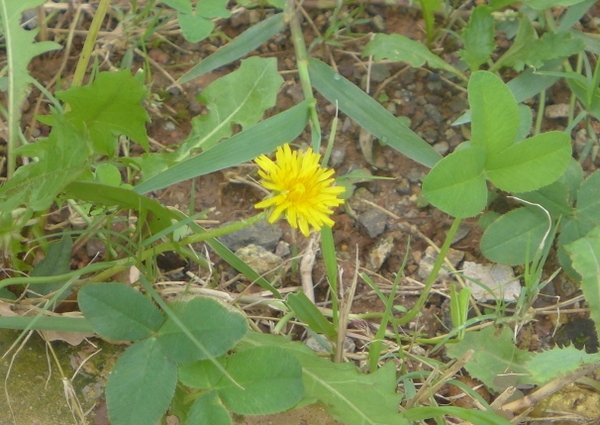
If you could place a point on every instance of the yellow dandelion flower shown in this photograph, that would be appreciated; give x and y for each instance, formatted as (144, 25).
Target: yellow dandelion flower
(300, 187)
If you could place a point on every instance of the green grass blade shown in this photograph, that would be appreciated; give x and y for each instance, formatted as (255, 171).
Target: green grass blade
(47, 323)
(262, 138)
(369, 114)
(240, 46)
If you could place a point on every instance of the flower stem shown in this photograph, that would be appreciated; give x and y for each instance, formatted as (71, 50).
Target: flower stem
(302, 62)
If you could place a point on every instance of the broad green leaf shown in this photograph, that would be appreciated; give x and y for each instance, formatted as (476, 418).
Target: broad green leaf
(554, 198)
(215, 326)
(456, 184)
(525, 122)
(20, 49)
(546, 4)
(213, 9)
(271, 378)
(308, 313)
(526, 85)
(547, 365)
(369, 114)
(123, 198)
(585, 254)
(529, 50)
(478, 38)
(588, 200)
(494, 113)
(194, 27)
(397, 47)
(57, 261)
(184, 6)
(350, 397)
(141, 385)
(496, 362)
(203, 374)
(530, 164)
(515, 237)
(571, 230)
(62, 158)
(572, 178)
(108, 174)
(581, 91)
(208, 410)
(243, 44)
(240, 97)
(118, 312)
(109, 107)
(472, 416)
(260, 139)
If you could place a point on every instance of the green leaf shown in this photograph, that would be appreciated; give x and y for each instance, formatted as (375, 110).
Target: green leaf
(20, 49)
(495, 357)
(203, 374)
(546, 4)
(141, 385)
(515, 237)
(585, 254)
(470, 415)
(215, 326)
(108, 174)
(572, 178)
(62, 158)
(271, 378)
(243, 44)
(530, 50)
(308, 313)
(208, 410)
(123, 198)
(369, 114)
(240, 97)
(554, 198)
(581, 90)
(494, 113)
(456, 184)
(194, 27)
(57, 261)
(397, 47)
(260, 139)
(478, 37)
(213, 9)
(350, 397)
(547, 365)
(588, 200)
(109, 107)
(184, 6)
(530, 164)
(118, 312)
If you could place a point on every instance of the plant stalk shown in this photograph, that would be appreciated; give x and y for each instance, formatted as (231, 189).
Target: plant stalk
(302, 61)
(90, 41)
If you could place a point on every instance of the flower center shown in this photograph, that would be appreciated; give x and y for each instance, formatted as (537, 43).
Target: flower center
(297, 192)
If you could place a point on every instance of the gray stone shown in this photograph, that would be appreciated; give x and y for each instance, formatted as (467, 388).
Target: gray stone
(434, 113)
(374, 221)
(380, 253)
(426, 264)
(262, 233)
(261, 260)
(499, 279)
